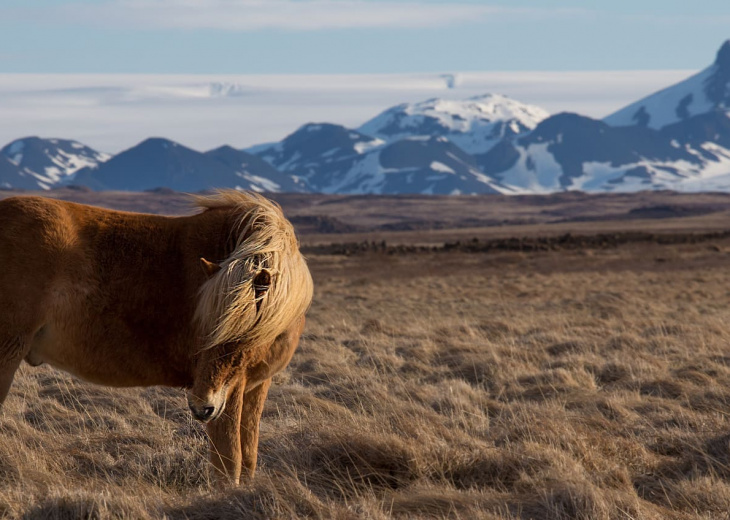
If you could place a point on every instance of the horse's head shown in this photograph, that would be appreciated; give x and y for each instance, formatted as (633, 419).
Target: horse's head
(216, 374)
(261, 288)
(221, 366)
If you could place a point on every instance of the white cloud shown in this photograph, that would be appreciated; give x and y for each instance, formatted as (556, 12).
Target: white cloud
(303, 15)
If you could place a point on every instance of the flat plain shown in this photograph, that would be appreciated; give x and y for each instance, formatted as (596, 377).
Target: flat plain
(554, 357)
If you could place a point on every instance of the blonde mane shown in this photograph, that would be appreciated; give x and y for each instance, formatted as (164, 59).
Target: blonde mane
(228, 309)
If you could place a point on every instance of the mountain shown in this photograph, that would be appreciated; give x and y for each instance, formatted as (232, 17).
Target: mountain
(158, 162)
(43, 163)
(706, 91)
(427, 165)
(256, 174)
(321, 154)
(711, 128)
(474, 125)
(573, 152)
(334, 159)
(316, 143)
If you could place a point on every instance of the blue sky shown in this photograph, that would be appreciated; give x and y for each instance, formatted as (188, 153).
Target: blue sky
(357, 36)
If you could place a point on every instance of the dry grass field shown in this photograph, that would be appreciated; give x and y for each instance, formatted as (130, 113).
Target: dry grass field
(588, 383)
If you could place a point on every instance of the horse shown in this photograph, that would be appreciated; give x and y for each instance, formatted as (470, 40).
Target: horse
(213, 302)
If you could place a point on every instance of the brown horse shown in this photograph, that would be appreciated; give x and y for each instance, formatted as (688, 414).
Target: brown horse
(213, 302)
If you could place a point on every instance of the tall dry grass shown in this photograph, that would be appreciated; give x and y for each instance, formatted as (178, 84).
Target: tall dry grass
(589, 385)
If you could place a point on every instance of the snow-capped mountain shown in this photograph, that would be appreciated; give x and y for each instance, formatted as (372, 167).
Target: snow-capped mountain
(334, 159)
(43, 163)
(474, 125)
(158, 162)
(572, 152)
(302, 152)
(320, 154)
(427, 165)
(706, 91)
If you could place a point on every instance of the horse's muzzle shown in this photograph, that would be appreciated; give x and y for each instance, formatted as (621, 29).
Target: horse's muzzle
(205, 410)
(203, 415)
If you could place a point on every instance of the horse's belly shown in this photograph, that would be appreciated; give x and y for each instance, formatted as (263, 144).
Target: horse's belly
(100, 363)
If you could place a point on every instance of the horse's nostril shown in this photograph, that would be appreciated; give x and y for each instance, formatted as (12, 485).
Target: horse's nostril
(207, 411)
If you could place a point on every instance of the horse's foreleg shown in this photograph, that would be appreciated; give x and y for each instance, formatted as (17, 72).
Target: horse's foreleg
(253, 406)
(7, 372)
(225, 439)
(12, 351)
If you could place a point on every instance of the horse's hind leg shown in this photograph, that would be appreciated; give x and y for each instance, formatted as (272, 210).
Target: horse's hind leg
(12, 352)
(18, 321)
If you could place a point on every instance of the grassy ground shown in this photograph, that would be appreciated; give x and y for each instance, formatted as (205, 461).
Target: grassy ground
(555, 385)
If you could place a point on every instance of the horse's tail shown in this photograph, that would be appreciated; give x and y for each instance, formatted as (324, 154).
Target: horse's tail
(264, 285)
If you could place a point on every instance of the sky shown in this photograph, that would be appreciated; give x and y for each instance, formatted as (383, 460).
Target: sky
(357, 36)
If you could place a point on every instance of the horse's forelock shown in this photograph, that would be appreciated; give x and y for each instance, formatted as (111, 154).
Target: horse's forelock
(264, 239)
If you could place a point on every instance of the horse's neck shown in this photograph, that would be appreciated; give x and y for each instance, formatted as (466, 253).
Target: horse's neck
(208, 235)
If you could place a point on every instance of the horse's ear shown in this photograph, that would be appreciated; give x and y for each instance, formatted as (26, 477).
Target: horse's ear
(209, 268)
(262, 282)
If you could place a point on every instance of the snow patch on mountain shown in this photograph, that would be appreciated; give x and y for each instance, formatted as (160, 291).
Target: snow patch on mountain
(367, 146)
(536, 171)
(441, 167)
